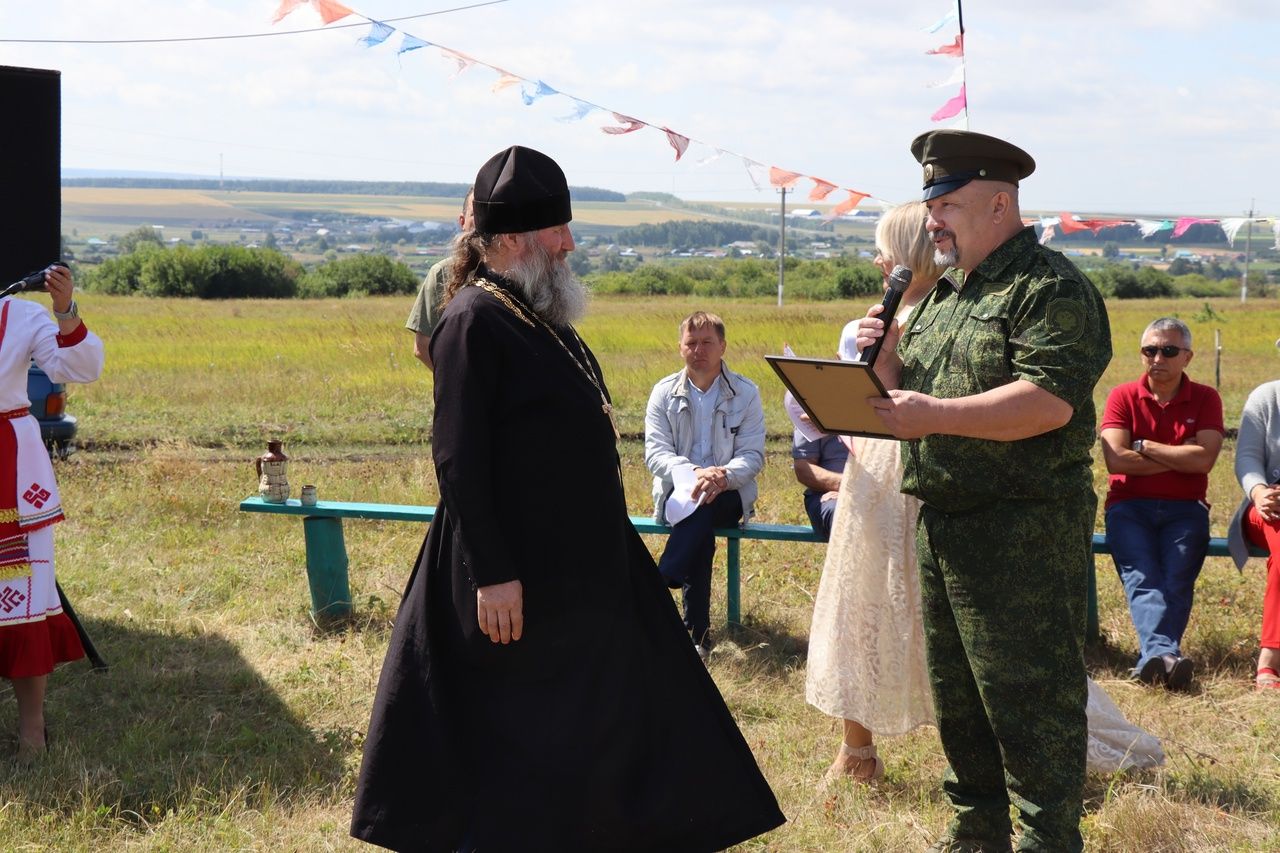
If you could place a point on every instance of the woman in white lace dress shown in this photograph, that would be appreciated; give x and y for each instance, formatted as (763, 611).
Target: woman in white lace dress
(866, 644)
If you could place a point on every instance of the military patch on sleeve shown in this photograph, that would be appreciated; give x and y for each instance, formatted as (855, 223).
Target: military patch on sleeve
(1064, 321)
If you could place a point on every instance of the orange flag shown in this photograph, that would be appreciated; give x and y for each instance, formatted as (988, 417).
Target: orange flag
(783, 178)
(286, 6)
(821, 189)
(848, 204)
(330, 10)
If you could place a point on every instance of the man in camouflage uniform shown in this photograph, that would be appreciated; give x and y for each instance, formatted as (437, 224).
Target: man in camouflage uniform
(993, 384)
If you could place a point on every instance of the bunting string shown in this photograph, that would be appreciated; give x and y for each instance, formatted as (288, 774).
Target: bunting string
(1067, 223)
(532, 91)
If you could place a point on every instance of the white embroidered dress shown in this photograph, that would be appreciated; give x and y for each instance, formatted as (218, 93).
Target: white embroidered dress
(29, 500)
(866, 644)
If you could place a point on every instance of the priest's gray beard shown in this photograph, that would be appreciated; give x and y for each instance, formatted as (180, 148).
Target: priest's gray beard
(548, 286)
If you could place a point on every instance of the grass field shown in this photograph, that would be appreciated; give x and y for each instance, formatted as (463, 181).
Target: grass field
(228, 722)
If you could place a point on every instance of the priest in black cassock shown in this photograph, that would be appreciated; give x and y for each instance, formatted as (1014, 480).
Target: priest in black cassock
(540, 692)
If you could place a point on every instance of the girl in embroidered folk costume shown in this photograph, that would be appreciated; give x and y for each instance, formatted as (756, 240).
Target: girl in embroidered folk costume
(35, 634)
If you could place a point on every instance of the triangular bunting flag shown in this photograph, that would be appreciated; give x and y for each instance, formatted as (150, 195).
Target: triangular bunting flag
(378, 33)
(408, 43)
(951, 107)
(286, 6)
(821, 189)
(848, 204)
(330, 10)
(507, 79)
(580, 111)
(678, 142)
(783, 178)
(956, 48)
(1186, 222)
(541, 91)
(629, 125)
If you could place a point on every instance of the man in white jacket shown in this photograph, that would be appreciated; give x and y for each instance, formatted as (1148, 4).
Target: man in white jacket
(709, 419)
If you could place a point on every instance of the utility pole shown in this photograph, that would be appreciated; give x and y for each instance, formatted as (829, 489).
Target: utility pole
(782, 242)
(1248, 245)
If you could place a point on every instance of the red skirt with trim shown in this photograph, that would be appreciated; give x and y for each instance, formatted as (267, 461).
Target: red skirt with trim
(35, 648)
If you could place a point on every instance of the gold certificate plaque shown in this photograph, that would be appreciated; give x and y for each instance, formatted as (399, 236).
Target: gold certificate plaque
(833, 393)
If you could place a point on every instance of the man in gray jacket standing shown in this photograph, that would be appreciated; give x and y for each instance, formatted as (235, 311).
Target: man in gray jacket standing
(707, 421)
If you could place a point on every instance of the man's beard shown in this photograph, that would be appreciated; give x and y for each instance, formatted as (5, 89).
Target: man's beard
(548, 286)
(947, 259)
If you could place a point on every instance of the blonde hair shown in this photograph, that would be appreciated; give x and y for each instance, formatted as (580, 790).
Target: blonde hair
(702, 320)
(901, 238)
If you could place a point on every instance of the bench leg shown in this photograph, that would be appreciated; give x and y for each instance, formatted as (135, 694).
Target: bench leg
(327, 569)
(1091, 631)
(733, 603)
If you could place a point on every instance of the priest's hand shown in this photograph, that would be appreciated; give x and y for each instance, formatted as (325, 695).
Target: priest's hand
(500, 611)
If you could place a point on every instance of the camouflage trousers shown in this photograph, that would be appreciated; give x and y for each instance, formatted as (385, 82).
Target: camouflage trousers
(1004, 592)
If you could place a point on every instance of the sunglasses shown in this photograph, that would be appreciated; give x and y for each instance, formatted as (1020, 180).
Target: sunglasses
(1168, 351)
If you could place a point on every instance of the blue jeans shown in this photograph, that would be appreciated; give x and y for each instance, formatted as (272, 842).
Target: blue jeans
(686, 562)
(822, 514)
(1158, 547)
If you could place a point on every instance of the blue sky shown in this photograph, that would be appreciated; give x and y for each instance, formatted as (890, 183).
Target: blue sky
(1136, 107)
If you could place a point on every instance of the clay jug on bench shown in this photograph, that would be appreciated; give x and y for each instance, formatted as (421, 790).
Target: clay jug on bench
(273, 485)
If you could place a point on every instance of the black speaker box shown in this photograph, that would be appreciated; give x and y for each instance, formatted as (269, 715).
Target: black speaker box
(30, 170)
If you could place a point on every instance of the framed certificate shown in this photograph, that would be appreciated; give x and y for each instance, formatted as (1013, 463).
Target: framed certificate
(833, 393)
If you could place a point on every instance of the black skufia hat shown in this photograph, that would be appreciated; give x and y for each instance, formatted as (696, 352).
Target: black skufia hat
(518, 190)
(953, 158)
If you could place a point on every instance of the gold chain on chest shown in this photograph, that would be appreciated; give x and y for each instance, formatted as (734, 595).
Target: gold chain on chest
(532, 319)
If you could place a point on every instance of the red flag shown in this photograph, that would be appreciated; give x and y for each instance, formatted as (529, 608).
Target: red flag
(1068, 225)
(956, 48)
(678, 142)
(821, 189)
(952, 107)
(286, 6)
(848, 204)
(330, 10)
(630, 125)
(783, 178)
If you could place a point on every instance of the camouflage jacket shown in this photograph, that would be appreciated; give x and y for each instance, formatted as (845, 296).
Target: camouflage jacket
(1025, 312)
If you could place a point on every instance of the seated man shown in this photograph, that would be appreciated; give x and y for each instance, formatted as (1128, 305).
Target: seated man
(819, 466)
(1160, 438)
(709, 418)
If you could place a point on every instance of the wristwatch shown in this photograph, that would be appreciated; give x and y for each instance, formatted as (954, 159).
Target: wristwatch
(1137, 446)
(72, 312)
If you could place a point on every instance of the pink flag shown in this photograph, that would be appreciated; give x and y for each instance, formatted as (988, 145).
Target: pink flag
(821, 189)
(848, 204)
(951, 107)
(286, 6)
(628, 125)
(330, 10)
(956, 48)
(1186, 222)
(678, 142)
(783, 178)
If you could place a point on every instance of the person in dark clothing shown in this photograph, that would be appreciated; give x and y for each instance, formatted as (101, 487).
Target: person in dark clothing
(540, 692)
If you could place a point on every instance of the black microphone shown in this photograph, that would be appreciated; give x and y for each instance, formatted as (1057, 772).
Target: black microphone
(899, 280)
(31, 281)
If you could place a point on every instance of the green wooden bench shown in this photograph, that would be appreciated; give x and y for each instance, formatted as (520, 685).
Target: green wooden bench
(327, 551)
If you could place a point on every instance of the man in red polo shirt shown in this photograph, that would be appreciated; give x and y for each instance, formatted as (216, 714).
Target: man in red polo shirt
(1160, 438)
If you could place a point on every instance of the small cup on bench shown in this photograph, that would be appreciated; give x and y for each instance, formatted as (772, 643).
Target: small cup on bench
(307, 497)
